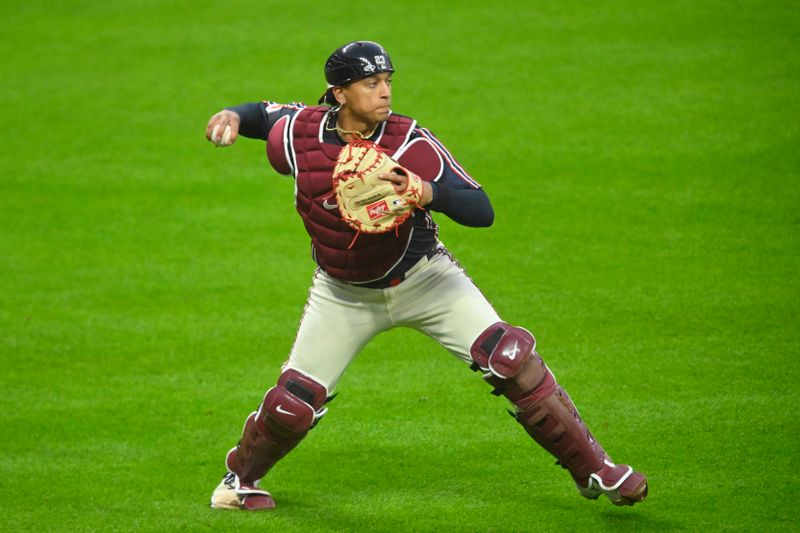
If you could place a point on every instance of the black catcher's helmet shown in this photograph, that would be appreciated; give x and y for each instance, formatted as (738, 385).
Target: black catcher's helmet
(354, 61)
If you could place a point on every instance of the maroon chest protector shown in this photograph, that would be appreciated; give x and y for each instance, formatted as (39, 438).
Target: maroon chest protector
(334, 244)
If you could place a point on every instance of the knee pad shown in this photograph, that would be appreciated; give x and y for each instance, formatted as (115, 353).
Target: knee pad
(507, 356)
(293, 406)
(502, 349)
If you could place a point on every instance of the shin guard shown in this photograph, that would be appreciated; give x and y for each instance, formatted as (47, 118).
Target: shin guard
(288, 412)
(508, 357)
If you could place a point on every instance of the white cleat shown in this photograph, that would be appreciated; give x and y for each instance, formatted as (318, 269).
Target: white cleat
(232, 494)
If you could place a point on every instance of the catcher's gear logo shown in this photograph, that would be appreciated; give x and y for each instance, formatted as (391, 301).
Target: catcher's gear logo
(367, 203)
(377, 210)
(280, 409)
(512, 353)
(353, 61)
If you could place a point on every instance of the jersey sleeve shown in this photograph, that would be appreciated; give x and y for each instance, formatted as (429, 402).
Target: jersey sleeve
(258, 118)
(273, 111)
(453, 174)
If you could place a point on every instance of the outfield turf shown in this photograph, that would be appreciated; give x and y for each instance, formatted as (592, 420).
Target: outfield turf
(643, 161)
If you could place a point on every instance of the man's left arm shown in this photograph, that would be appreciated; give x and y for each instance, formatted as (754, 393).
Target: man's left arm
(469, 207)
(463, 202)
(454, 192)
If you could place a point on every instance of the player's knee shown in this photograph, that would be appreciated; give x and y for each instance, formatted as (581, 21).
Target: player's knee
(304, 387)
(293, 406)
(502, 349)
(507, 356)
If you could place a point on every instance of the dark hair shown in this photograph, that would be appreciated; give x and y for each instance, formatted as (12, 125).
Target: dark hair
(328, 98)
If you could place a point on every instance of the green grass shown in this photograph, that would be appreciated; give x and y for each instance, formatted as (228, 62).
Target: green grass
(642, 158)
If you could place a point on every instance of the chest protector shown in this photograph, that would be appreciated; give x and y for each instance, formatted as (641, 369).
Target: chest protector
(298, 146)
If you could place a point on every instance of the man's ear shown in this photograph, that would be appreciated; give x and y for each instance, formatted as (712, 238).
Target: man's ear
(338, 93)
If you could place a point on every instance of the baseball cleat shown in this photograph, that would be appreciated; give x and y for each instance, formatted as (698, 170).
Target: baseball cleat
(621, 483)
(232, 494)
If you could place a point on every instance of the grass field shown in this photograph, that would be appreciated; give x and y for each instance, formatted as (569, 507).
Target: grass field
(643, 159)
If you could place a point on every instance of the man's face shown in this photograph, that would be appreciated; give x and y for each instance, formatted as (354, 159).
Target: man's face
(369, 98)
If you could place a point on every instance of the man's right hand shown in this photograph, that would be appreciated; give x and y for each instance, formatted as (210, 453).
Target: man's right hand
(223, 128)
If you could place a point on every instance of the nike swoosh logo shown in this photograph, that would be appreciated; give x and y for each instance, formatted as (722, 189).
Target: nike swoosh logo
(280, 409)
(329, 207)
(512, 353)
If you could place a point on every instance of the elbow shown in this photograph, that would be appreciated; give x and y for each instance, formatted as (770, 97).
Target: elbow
(487, 219)
(481, 219)
(487, 214)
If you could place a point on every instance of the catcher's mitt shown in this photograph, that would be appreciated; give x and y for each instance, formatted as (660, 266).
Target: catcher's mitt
(367, 203)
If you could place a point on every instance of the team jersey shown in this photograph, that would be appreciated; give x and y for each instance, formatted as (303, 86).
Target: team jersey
(453, 176)
(465, 201)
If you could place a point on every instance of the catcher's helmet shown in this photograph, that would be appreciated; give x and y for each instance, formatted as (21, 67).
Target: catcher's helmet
(352, 62)
(356, 60)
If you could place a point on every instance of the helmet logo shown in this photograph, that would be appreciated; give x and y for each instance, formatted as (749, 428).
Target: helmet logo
(368, 67)
(381, 62)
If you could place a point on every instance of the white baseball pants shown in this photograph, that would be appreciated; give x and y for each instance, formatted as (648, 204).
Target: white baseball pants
(436, 298)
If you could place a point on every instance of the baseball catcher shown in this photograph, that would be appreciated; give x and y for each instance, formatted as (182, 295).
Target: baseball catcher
(368, 182)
